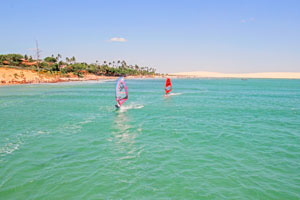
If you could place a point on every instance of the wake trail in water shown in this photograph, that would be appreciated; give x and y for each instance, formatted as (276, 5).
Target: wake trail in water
(12, 145)
(131, 106)
(174, 94)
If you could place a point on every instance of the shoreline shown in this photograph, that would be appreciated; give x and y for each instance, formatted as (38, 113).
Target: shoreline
(263, 75)
(14, 76)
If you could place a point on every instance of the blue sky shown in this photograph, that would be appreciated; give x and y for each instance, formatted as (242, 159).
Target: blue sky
(172, 36)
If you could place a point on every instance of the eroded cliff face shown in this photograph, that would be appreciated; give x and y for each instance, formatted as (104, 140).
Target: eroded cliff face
(10, 76)
(22, 76)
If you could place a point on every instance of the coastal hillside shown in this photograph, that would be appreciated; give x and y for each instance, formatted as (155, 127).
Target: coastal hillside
(20, 69)
(10, 76)
(19, 76)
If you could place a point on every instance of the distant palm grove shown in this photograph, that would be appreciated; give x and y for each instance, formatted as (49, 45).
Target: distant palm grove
(56, 65)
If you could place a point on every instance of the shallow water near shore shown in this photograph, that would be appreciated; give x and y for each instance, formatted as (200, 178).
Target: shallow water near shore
(210, 139)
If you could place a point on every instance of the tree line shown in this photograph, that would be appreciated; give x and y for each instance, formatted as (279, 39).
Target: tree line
(55, 64)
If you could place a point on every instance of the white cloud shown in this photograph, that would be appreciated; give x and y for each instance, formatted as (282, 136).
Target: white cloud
(251, 19)
(116, 39)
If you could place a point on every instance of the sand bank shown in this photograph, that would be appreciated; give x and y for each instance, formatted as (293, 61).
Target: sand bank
(203, 74)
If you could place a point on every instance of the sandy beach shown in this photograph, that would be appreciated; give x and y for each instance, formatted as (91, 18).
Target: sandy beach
(9, 76)
(272, 75)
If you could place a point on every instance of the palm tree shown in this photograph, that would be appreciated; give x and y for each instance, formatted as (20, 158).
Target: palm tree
(124, 64)
(58, 57)
(73, 59)
(67, 60)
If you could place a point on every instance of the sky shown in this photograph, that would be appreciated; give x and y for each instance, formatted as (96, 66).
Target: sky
(232, 36)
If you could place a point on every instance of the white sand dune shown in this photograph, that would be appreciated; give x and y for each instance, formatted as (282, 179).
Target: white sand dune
(204, 74)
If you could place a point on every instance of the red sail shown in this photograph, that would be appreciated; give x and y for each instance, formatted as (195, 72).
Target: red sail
(168, 86)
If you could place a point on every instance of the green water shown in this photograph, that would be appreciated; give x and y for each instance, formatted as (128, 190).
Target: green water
(211, 139)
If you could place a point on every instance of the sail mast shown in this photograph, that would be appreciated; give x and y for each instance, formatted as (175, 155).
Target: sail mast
(37, 54)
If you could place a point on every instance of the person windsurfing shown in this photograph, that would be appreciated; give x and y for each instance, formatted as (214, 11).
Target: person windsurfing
(168, 86)
(121, 92)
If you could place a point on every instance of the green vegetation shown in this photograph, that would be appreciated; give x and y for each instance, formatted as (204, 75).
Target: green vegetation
(12, 59)
(55, 64)
(50, 59)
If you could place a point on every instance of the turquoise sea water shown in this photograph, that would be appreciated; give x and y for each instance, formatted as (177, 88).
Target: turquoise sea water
(210, 139)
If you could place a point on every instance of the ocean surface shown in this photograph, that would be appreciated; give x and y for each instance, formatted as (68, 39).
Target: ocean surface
(209, 139)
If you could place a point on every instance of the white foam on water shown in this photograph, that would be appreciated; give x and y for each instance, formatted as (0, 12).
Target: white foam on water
(131, 106)
(71, 128)
(75, 127)
(173, 94)
(42, 132)
(14, 144)
(88, 120)
(10, 147)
